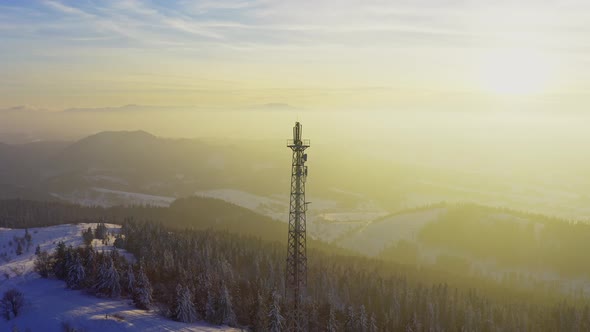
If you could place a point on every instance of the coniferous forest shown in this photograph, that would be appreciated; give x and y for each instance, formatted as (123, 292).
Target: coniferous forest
(224, 278)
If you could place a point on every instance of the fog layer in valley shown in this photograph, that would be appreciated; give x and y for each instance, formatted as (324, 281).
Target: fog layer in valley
(524, 160)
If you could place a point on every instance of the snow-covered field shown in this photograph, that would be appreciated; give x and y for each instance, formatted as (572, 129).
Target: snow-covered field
(271, 207)
(49, 304)
(323, 222)
(107, 197)
(374, 236)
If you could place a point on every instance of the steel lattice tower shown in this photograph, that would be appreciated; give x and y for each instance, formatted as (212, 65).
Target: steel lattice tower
(296, 273)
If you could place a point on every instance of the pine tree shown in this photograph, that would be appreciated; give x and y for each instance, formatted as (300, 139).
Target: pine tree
(363, 321)
(142, 294)
(185, 309)
(59, 268)
(415, 324)
(108, 280)
(76, 273)
(101, 231)
(91, 265)
(261, 319)
(373, 324)
(228, 317)
(351, 324)
(276, 320)
(88, 236)
(332, 325)
(129, 280)
(210, 312)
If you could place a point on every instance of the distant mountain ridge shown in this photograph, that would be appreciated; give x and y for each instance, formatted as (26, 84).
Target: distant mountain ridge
(131, 161)
(124, 108)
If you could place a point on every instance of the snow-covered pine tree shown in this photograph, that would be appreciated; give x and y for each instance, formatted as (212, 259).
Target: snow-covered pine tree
(88, 236)
(350, 324)
(168, 263)
(261, 319)
(395, 310)
(312, 318)
(363, 321)
(76, 273)
(91, 265)
(129, 280)
(101, 231)
(59, 268)
(142, 294)
(185, 309)
(210, 307)
(373, 323)
(470, 320)
(415, 323)
(332, 325)
(108, 279)
(276, 320)
(226, 311)
(226, 271)
(68, 262)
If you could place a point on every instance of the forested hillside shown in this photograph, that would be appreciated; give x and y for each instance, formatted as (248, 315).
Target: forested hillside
(470, 237)
(224, 278)
(194, 212)
(213, 256)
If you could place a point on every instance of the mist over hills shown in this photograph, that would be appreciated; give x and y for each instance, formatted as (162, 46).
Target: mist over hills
(117, 167)
(360, 213)
(362, 207)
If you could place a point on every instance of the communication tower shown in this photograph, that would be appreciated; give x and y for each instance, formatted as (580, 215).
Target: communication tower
(296, 273)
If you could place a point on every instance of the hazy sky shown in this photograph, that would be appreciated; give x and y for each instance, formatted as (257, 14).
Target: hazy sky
(310, 54)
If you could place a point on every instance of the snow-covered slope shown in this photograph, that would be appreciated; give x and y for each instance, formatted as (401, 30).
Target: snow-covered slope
(49, 304)
(325, 219)
(374, 236)
(271, 207)
(107, 197)
(13, 265)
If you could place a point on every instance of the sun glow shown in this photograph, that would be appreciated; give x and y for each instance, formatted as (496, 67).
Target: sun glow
(515, 72)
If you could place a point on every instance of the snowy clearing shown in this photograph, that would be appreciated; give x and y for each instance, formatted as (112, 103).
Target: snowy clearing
(269, 207)
(374, 236)
(322, 220)
(106, 197)
(49, 304)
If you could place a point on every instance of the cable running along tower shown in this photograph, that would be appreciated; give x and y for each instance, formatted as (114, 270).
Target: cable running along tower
(296, 273)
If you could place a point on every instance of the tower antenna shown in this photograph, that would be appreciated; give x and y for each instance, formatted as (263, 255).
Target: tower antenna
(296, 272)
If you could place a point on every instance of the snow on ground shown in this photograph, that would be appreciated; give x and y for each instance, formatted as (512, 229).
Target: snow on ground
(274, 208)
(106, 197)
(49, 304)
(12, 265)
(106, 178)
(352, 216)
(322, 220)
(374, 236)
(138, 198)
